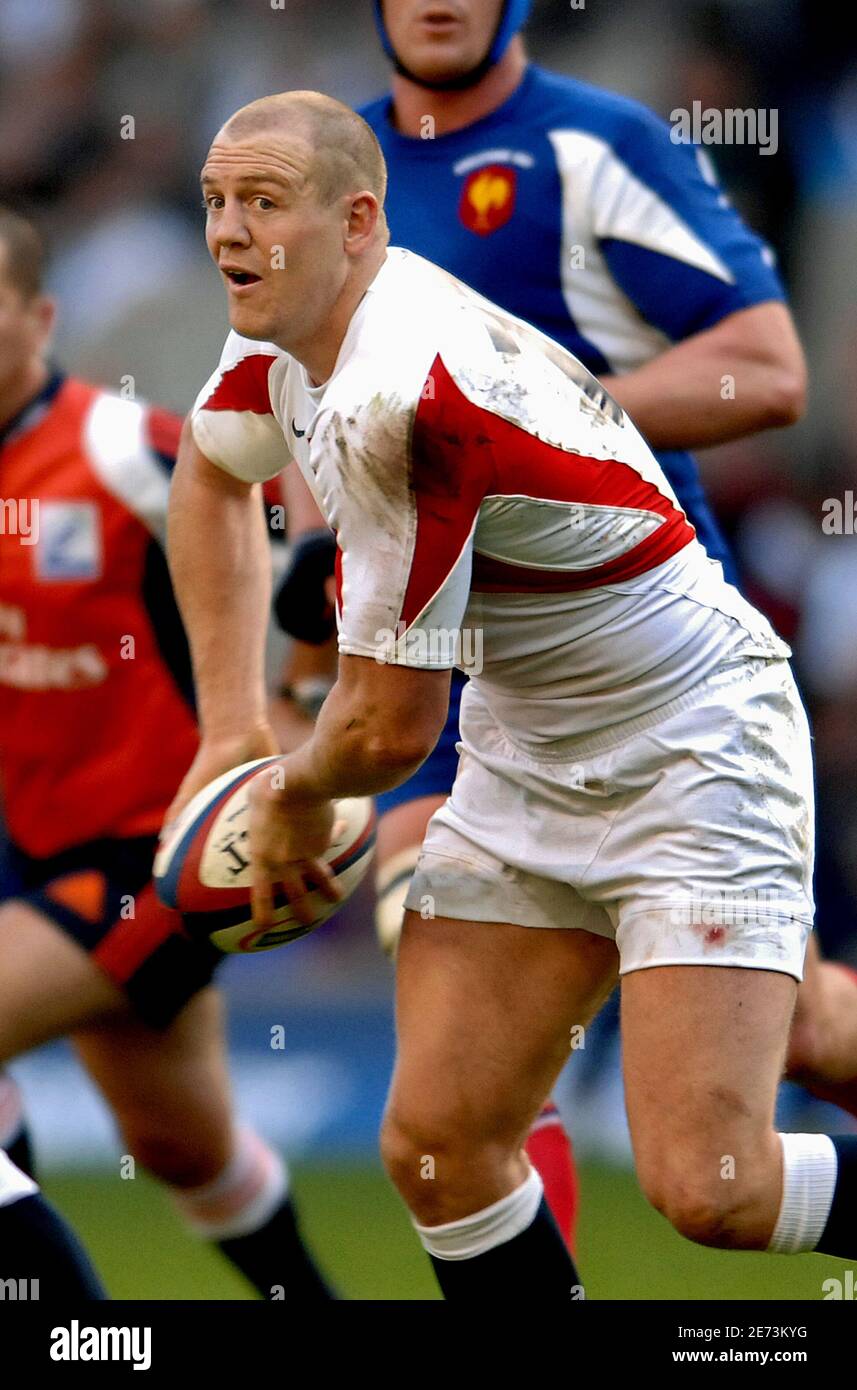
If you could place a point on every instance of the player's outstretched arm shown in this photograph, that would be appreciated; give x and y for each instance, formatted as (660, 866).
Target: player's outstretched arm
(220, 564)
(747, 373)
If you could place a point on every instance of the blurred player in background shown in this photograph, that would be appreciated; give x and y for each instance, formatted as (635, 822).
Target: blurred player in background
(36, 1244)
(572, 208)
(97, 728)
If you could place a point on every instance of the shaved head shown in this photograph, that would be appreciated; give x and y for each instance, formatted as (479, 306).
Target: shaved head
(293, 188)
(346, 156)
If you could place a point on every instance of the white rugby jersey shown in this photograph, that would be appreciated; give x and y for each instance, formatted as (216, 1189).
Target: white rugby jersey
(482, 485)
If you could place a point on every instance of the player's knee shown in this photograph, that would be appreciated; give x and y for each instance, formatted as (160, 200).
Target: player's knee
(441, 1169)
(700, 1217)
(411, 1152)
(700, 1198)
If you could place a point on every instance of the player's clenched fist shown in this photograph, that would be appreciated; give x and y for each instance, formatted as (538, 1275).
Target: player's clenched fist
(289, 833)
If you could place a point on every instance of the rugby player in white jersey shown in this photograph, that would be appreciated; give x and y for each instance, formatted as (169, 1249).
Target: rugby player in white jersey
(635, 789)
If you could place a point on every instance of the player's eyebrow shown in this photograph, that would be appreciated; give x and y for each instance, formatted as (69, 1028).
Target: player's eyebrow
(251, 176)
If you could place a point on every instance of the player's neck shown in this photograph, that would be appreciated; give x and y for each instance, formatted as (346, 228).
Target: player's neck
(18, 393)
(318, 355)
(451, 111)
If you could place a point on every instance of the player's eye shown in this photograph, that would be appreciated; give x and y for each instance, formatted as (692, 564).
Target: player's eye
(212, 202)
(264, 203)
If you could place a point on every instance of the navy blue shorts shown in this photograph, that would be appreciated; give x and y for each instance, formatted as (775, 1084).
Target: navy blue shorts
(437, 774)
(101, 895)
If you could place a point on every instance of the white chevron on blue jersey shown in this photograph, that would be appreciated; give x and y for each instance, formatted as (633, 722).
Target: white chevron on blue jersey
(602, 198)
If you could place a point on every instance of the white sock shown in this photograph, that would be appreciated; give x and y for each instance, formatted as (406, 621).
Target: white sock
(242, 1198)
(13, 1183)
(476, 1234)
(809, 1179)
(11, 1110)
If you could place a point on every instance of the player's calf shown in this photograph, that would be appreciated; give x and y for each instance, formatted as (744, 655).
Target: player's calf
(247, 1210)
(169, 1090)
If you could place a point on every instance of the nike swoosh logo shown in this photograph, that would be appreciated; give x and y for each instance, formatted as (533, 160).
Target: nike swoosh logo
(295, 431)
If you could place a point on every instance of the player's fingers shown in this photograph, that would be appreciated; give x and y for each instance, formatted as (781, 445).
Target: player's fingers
(262, 898)
(297, 891)
(324, 879)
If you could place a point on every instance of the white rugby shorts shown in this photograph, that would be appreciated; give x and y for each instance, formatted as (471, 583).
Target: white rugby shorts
(686, 835)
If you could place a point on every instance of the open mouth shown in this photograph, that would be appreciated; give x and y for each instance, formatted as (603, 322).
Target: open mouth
(242, 277)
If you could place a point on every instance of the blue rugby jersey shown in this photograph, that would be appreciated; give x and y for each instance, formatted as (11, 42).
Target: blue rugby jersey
(573, 209)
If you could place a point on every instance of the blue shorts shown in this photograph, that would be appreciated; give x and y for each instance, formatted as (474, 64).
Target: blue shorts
(437, 774)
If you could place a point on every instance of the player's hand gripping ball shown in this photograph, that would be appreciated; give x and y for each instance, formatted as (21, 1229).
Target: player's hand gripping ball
(203, 867)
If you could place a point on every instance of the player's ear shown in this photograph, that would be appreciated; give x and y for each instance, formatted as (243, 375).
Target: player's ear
(364, 213)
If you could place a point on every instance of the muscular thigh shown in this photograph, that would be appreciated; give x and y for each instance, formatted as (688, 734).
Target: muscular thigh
(484, 1018)
(703, 1050)
(48, 983)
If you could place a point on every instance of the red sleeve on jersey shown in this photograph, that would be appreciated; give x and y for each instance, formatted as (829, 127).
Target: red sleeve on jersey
(272, 491)
(452, 469)
(463, 453)
(162, 431)
(243, 386)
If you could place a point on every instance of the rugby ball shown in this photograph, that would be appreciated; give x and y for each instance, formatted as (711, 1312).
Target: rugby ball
(203, 866)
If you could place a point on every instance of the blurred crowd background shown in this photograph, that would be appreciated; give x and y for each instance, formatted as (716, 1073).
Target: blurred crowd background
(106, 110)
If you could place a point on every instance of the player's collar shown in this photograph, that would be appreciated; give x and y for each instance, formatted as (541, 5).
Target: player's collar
(34, 411)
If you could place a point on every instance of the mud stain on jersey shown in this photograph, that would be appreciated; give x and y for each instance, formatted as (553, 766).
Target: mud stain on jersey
(370, 455)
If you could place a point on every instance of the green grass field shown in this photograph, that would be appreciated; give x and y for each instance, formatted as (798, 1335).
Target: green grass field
(362, 1236)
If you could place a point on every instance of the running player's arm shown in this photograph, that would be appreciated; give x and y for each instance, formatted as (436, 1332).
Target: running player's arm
(220, 562)
(219, 556)
(746, 374)
(696, 273)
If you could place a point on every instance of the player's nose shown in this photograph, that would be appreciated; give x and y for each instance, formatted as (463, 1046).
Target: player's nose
(230, 227)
